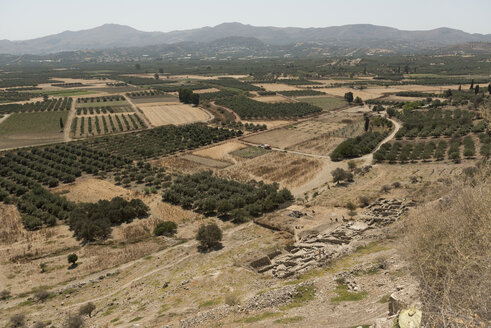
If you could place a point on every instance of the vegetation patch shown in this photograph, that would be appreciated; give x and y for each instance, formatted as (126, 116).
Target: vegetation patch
(260, 317)
(289, 320)
(303, 294)
(344, 295)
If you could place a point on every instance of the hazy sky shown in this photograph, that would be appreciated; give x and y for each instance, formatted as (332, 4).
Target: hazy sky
(25, 19)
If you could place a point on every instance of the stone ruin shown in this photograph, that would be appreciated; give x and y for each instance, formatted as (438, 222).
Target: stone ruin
(385, 211)
(313, 250)
(316, 249)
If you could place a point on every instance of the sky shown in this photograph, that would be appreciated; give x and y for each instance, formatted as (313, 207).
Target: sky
(27, 19)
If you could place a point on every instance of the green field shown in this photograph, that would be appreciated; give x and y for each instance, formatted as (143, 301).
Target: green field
(66, 93)
(326, 103)
(24, 129)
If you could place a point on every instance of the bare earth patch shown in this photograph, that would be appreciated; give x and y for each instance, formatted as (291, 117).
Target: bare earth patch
(277, 87)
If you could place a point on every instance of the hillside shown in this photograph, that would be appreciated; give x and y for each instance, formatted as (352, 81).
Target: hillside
(353, 36)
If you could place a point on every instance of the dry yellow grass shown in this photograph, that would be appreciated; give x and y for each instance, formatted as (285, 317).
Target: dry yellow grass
(206, 90)
(288, 170)
(220, 152)
(91, 190)
(322, 145)
(174, 114)
(449, 244)
(277, 87)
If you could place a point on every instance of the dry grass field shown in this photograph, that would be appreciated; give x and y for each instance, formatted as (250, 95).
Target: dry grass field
(322, 145)
(206, 161)
(277, 87)
(280, 138)
(288, 170)
(174, 114)
(220, 152)
(91, 190)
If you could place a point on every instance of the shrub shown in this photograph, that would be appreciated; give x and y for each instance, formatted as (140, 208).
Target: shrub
(364, 201)
(396, 184)
(385, 188)
(4, 294)
(165, 228)
(209, 236)
(232, 299)
(351, 165)
(18, 320)
(87, 309)
(73, 321)
(350, 206)
(40, 324)
(42, 295)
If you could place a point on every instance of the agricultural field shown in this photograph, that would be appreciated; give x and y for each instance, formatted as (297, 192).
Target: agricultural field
(32, 128)
(248, 108)
(326, 103)
(95, 125)
(177, 114)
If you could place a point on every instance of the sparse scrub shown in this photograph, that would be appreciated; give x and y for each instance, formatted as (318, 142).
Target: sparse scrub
(87, 309)
(73, 321)
(18, 320)
(449, 247)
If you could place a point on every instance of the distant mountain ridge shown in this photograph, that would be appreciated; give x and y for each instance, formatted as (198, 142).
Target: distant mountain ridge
(353, 36)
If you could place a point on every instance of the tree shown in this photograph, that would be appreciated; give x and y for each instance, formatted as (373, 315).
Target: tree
(340, 174)
(161, 70)
(185, 96)
(358, 101)
(195, 99)
(489, 88)
(165, 228)
(351, 165)
(45, 98)
(476, 89)
(72, 258)
(472, 85)
(460, 87)
(61, 123)
(87, 309)
(447, 93)
(138, 66)
(156, 76)
(209, 236)
(348, 96)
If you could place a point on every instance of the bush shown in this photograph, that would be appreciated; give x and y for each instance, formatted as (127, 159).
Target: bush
(40, 324)
(42, 295)
(364, 201)
(18, 320)
(73, 321)
(385, 188)
(232, 299)
(165, 228)
(209, 236)
(87, 309)
(4, 295)
(449, 249)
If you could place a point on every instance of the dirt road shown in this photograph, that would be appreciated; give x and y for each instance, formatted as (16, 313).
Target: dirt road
(69, 120)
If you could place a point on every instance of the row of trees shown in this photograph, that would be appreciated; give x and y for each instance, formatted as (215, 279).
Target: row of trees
(39, 106)
(160, 141)
(300, 93)
(188, 97)
(247, 108)
(93, 221)
(358, 146)
(145, 93)
(103, 110)
(100, 99)
(435, 123)
(208, 194)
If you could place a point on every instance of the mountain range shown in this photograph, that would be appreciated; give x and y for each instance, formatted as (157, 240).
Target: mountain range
(356, 36)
